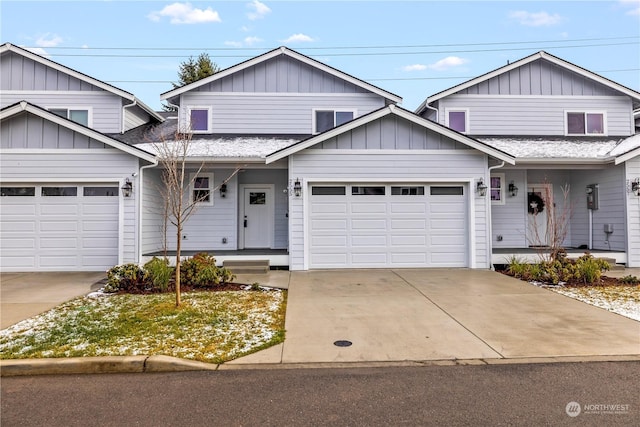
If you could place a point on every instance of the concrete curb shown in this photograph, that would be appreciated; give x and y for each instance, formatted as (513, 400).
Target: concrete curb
(154, 364)
(100, 365)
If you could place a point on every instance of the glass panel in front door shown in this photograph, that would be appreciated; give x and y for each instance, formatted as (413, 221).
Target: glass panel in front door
(257, 198)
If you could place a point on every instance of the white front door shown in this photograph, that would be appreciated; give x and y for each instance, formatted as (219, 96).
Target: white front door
(258, 221)
(537, 233)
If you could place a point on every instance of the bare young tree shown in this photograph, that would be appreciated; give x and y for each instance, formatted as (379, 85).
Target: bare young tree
(550, 244)
(178, 177)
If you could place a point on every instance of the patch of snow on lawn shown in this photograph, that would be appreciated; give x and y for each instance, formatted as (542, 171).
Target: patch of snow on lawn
(623, 300)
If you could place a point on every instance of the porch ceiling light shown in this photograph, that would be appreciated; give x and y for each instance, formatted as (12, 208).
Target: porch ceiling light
(297, 188)
(127, 188)
(513, 190)
(635, 187)
(481, 188)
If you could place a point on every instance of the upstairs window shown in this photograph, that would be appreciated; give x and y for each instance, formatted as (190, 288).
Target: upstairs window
(457, 120)
(199, 119)
(79, 115)
(585, 123)
(328, 119)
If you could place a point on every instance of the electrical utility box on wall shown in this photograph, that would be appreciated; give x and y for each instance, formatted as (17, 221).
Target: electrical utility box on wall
(592, 196)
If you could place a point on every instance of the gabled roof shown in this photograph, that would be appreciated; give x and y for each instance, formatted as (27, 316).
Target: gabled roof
(531, 58)
(24, 106)
(272, 54)
(385, 111)
(8, 47)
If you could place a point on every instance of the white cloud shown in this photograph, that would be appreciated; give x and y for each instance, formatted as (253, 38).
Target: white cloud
(48, 40)
(258, 10)
(298, 38)
(446, 63)
(185, 13)
(414, 67)
(252, 40)
(635, 7)
(37, 50)
(535, 19)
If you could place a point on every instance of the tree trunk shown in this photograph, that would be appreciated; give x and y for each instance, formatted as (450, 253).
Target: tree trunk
(178, 244)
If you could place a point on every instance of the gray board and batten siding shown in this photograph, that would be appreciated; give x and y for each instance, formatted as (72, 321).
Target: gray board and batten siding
(276, 96)
(532, 100)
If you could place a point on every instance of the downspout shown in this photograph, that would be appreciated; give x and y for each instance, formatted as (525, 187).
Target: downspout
(489, 212)
(140, 191)
(436, 110)
(133, 104)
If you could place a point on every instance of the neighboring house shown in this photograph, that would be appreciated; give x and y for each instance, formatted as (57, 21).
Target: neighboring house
(62, 203)
(567, 128)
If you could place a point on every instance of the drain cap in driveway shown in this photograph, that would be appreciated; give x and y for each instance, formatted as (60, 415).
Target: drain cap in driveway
(342, 343)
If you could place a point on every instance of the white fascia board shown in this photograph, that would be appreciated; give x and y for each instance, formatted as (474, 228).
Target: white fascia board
(54, 118)
(562, 161)
(627, 156)
(539, 55)
(272, 54)
(392, 109)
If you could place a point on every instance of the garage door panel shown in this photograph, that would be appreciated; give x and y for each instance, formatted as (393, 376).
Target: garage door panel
(17, 210)
(414, 240)
(26, 262)
(59, 226)
(58, 242)
(369, 241)
(368, 208)
(99, 225)
(47, 209)
(411, 208)
(368, 259)
(60, 262)
(332, 241)
(329, 224)
(337, 208)
(408, 224)
(102, 243)
(11, 226)
(412, 258)
(368, 224)
(17, 243)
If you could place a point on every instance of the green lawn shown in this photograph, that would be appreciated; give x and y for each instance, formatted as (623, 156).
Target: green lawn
(209, 326)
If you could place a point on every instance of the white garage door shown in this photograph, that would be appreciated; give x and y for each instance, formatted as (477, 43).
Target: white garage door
(388, 225)
(59, 227)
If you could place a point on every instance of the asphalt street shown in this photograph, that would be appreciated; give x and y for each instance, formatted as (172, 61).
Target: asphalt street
(598, 394)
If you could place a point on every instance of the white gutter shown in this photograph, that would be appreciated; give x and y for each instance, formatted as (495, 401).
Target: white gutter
(488, 210)
(437, 120)
(140, 191)
(124, 110)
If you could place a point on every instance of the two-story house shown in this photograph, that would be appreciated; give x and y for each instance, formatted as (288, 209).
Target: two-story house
(332, 173)
(69, 194)
(571, 132)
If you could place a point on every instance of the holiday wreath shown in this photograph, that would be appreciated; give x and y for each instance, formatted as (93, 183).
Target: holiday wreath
(536, 204)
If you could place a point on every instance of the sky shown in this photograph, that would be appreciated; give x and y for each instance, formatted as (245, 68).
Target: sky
(410, 48)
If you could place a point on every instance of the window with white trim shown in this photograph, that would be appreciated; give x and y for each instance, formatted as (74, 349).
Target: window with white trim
(585, 123)
(325, 119)
(201, 191)
(78, 115)
(199, 119)
(497, 190)
(458, 120)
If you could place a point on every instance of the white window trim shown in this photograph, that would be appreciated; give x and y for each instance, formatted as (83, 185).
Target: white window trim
(335, 110)
(503, 189)
(187, 118)
(585, 112)
(457, 110)
(88, 109)
(211, 188)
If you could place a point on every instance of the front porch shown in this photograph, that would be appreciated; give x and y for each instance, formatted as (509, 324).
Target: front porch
(278, 258)
(501, 256)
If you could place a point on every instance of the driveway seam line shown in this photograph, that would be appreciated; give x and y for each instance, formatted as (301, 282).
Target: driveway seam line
(449, 315)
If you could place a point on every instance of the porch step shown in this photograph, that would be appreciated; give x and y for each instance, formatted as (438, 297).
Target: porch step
(253, 266)
(612, 263)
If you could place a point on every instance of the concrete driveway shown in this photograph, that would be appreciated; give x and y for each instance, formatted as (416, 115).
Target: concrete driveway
(420, 314)
(24, 295)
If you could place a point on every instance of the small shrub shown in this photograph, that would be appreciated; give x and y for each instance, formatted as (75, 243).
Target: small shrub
(126, 277)
(630, 280)
(517, 268)
(201, 271)
(589, 269)
(225, 275)
(158, 272)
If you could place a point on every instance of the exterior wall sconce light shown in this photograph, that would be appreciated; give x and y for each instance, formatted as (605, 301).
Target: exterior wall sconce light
(297, 188)
(635, 186)
(127, 188)
(223, 190)
(513, 190)
(481, 188)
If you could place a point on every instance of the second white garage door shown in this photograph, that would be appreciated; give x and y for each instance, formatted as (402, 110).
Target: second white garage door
(388, 225)
(59, 227)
